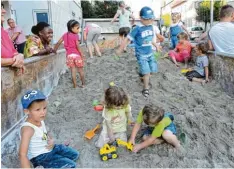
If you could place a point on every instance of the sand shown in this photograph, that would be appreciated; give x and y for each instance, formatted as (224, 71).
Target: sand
(204, 113)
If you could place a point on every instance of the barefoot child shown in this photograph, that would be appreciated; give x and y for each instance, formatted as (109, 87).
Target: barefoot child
(116, 114)
(36, 145)
(144, 37)
(201, 70)
(160, 125)
(182, 52)
(75, 57)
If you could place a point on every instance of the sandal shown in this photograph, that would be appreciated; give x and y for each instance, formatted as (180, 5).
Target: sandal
(145, 92)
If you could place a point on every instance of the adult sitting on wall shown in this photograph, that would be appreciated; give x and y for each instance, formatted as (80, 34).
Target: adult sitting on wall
(39, 43)
(221, 35)
(91, 34)
(16, 34)
(9, 55)
(124, 24)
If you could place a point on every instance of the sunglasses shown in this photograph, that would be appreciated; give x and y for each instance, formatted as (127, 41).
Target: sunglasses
(27, 96)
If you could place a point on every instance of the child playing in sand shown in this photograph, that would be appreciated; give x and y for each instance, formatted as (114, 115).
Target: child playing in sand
(36, 145)
(144, 37)
(182, 51)
(75, 57)
(201, 70)
(176, 29)
(160, 124)
(116, 114)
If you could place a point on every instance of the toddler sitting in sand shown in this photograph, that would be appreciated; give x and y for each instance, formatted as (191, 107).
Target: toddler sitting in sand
(116, 114)
(200, 71)
(160, 128)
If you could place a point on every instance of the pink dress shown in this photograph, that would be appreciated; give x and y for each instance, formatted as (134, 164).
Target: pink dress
(74, 58)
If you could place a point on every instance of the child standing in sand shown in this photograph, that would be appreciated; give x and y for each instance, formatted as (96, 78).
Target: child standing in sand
(144, 37)
(182, 52)
(36, 145)
(160, 128)
(116, 114)
(75, 57)
(201, 69)
(175, 29)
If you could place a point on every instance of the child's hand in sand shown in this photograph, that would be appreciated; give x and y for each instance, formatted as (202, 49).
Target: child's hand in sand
(136, 148)
(132, 141)
(50, 143)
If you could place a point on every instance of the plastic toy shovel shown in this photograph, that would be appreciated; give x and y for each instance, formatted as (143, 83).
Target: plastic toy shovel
(90, 134)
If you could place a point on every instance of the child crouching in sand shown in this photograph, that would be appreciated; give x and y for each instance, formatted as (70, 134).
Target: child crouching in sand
(116, 114)
(201, 70)
(36, 145)
(160, 124)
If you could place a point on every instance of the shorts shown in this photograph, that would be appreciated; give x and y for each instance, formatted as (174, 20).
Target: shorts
(148, 131)
(147, 64)
(74, 60)
(124, 31)
(190, 75)
(180, 57)
(93, 36)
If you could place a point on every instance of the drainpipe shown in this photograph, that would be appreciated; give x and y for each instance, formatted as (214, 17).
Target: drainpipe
(211, 12)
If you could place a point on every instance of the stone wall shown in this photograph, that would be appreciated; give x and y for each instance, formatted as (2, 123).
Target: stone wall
(222, 69)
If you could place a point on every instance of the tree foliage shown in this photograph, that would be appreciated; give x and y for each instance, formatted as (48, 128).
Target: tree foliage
(203, 11)
(99, 9)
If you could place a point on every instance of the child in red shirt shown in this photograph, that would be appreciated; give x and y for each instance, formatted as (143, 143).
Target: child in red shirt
(73, 51)
(182, 52)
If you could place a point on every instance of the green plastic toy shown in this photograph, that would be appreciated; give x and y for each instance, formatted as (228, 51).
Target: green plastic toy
(116, 57)
(157, 55)
(95, 102)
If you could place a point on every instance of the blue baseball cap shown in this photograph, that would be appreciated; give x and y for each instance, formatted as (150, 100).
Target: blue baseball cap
(31, 96)
(147, 13)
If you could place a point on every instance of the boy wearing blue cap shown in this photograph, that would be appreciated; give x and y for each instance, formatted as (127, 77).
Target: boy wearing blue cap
(144, 37)
(36, 146)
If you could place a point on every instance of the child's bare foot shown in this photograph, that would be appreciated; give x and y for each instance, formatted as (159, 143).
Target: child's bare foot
(74, 85)
(177, 65)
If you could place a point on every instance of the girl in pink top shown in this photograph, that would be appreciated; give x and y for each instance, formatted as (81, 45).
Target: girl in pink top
(73, 51)
(182, 52)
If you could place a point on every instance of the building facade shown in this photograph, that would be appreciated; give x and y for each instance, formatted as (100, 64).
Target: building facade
(55, 12)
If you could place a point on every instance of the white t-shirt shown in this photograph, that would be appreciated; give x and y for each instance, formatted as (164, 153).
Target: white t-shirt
(222, 37)
(124, 18)
(177, 23)
(156, 31)
(38, 142)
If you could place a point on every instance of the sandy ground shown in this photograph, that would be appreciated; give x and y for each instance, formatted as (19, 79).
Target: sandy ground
(204, 113)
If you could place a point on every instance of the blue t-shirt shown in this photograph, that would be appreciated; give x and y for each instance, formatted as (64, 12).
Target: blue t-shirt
(143, 36)
(201, 62)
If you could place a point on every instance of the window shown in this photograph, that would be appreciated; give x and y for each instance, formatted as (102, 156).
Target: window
(42, 17)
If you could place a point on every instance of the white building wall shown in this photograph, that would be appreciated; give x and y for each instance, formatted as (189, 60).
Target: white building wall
(62, 12)
(59, 13)
(25, 13)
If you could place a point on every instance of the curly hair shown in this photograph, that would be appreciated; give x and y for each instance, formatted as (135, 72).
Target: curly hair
(152, 114)
(39, 27)
(203, 47)
(115, 97)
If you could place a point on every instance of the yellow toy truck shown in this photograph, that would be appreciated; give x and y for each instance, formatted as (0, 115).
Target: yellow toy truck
(108, 152)
(124, 143)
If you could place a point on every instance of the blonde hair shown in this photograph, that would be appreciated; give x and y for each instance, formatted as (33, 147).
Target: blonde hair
(182, 35)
